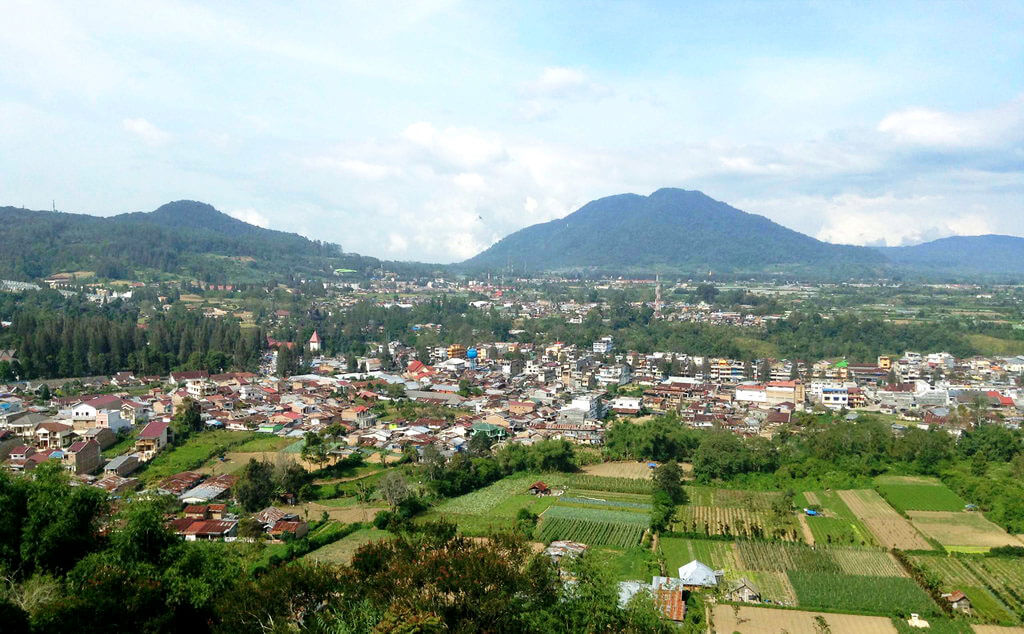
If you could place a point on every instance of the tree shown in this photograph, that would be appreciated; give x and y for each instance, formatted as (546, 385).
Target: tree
(668, 478)
(314, 449)
(394, 488)
(255, 487)
(480, 444)
(764, 371)
(187, 419)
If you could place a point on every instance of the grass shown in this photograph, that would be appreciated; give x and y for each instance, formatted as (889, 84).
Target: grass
(192, 453)
(918, 494)
(264, 443)
(631, 564)
(341, 551)
(123, 445)
(678, 552)
(838, 525)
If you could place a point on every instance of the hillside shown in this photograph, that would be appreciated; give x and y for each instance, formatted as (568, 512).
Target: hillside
(958, 256)
(672, 230)
(183, 238)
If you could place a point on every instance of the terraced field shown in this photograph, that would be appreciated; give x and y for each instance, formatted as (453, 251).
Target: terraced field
(889, 528)
(995, 585)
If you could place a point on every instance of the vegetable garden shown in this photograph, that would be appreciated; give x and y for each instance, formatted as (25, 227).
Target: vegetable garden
(593, 526)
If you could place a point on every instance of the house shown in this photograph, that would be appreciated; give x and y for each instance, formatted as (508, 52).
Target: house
(122, 465)
(314, 342)
(297, 529)
(102, 435)
(698, 576)
(151, 441)
(210, 530)
(539, 488)
(180, 378)
(53, 435)
(82, 457)
(360, 415)
(743, 590)
(958, 601)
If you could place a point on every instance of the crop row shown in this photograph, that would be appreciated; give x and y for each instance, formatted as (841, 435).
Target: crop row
(860, 593)
(776, 557)
(711, 520)
(592, 532)
(597, 515)
(600, 483)
(603, 502)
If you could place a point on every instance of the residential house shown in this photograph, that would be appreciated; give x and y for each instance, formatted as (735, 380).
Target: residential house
(152, 440)
(743, 590)
(122, 465)
(82, 457)
(53, 435)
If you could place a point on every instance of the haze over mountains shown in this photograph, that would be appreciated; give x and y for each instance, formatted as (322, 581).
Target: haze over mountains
(671, 231)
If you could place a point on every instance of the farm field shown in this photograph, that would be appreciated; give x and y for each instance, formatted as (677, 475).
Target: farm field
(341, 551)
(633, 470)
(993, 584)
(961, 530)
(756, 620)
(720, 555)
(860, 593)
(631, 564)
(732, 498)
(918, 494)
(593, 526)
(787, 557)
(889, 528)
(572, 481)
(741, 522)
(836, 524)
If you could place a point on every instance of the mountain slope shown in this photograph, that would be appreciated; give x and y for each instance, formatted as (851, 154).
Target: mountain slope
(986, 255)
(670, 230)
(184, 237)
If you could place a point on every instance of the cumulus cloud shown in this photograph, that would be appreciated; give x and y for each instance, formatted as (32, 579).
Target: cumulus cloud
(146, 131)
(558, 82)
(251, 216)
(360, 169)
(981, 128)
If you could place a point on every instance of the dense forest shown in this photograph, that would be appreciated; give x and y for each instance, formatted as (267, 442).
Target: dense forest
(58, 337)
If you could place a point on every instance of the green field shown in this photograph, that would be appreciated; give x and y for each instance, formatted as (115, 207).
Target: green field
(192, 453)
(264, 442)
(593, 526)
(918, 494)
(866, 594)
(630, 564)
(732, 498)
(678, 552)
(341, 551)
(837, 524)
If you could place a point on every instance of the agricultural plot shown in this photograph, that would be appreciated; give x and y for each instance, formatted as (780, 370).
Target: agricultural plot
(754, 620)
(889, 528)
(623, 469)
(573, 481)
(732, 498)
(860, 593)
(486, 499)
(568, 500)
(961, 530)
(720, 555)
(739, 522)
(774, 586)
(995, 585)
(341, 551)
(836, 524)
(593, 526)
(918, 494)
(636, 563)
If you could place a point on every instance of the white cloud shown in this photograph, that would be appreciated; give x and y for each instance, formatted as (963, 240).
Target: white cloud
(251, 216)
(455, 147)
(981, 128)
(362, 169)
(146, 131)
(558, 82)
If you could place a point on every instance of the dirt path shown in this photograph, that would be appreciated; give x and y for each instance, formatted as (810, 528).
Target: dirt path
(805, 527)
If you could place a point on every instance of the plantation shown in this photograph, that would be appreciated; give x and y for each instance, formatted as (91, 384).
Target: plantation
(866, 594)
(739, 522)
(918, 494)
(732, 498)
(961, 530)
(593, 526)
(567, 500)
(720, 555)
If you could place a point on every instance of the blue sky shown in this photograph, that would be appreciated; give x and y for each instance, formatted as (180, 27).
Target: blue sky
(429, 130)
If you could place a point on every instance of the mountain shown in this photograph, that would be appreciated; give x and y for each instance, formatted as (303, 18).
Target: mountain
(186, 238)
(991, 256)
(672, 230)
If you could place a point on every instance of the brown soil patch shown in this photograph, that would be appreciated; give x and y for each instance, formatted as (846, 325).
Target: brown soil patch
(808, 535)
(959, 528)
(751, 620)
(890, 528)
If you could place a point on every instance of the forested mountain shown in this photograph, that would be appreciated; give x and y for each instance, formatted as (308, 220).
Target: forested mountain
(671, 230)
(962, 255)
(184, 237)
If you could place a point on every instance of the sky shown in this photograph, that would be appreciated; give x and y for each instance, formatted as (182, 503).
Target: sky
(429, 130)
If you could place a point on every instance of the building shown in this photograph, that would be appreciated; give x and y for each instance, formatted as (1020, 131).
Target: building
(314, 342)
(604, 345)
(82, 457)
(152, 439)
(743, 590)
(698, 576)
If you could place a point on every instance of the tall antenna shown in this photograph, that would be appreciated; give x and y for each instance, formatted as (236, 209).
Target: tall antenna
(55, 205)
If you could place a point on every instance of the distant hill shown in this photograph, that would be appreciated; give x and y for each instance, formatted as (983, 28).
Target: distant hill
(959, 256)
(184, 237)
(672, 230)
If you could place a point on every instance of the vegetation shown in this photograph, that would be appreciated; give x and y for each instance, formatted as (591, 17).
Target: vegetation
(860, 593)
